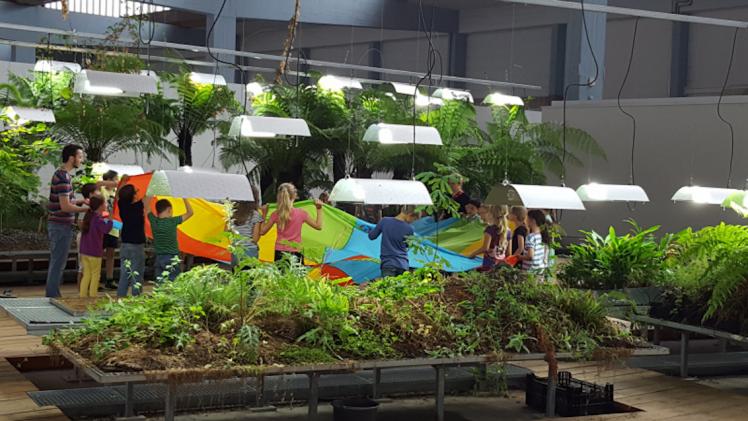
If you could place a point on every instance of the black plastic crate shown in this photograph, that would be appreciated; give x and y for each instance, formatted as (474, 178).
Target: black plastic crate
(573, 397)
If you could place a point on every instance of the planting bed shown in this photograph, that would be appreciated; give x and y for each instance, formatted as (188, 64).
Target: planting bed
(77, 306)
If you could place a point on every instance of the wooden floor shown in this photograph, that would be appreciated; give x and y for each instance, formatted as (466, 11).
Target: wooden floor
(659, 397)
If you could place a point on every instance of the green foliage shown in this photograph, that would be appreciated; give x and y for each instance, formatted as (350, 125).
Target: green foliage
(23, 149)
(713, 263)
(635, 259)
(49, 90)
(438, 183)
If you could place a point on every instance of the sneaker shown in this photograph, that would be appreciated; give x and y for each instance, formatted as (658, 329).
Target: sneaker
(110, 285)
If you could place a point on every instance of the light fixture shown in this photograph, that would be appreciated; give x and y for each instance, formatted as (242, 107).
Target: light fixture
(499, 99)
(207, 79)
(100, 168)
(403, 88)
(703, 195)
(48, 66)
(738, 202)
(335, 83)
(454, 94)
(426, 101)
(534, 196)
(254, 88)
(151, 74)
(380, 192)
(594, 192)
(402, 134)
(23, 115)
(94, 82)
(200, 184)
(260, 126)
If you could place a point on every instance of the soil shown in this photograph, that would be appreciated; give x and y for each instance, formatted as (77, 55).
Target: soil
(76, 305)
(17, 240)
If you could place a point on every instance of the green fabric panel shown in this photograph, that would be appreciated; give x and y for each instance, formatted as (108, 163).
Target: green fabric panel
(459, 235)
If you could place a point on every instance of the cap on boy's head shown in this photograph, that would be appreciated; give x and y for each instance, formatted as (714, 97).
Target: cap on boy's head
(109, 175)
(162, 205)
(88, 189)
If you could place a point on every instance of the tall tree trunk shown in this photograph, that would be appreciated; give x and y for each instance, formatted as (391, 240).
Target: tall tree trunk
(184, 140)
(288, 43)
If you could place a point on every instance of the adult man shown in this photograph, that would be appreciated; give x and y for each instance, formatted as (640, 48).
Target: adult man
(394, 249)
(459, 195)
(61, 218)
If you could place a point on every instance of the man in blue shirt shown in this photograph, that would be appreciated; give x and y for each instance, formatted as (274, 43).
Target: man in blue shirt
(395, 231)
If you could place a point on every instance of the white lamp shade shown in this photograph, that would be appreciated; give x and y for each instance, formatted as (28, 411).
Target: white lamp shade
(594, 192)
(380, 192)
(497, 98)
(23, 115)
(535, 197)
(48, 66)
(100, 168)
(207, 79)
(151, 74)
(454, 94)
(335, 83)
(394, 134)
(425, 101)
(403, 88)
(260, 126)
(189, 169)
(254, 89)
(201, 185)
(704, 195)
(93, 82)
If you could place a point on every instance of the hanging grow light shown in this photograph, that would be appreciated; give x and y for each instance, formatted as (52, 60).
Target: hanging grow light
(151, 74)
(454, 94)
(254, 89)
(267, 127)
(402, 134)
(335, 83)
(738, 202)
(498, 99)
(534, 197)
(23, 115)
(404, 88)
(703, 195)
(207, 79)
(426, 101)
(93, 82)
(200, 185)
(594, 192)
(49, 66)
(380, 192)
(100, 168)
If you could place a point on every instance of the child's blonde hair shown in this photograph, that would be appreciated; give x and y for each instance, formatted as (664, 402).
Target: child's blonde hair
(285, 198)
(499, 218)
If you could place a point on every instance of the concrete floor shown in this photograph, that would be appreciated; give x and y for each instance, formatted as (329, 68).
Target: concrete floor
(414, 409)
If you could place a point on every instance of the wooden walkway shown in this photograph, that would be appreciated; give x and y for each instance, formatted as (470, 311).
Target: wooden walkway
(659, 397)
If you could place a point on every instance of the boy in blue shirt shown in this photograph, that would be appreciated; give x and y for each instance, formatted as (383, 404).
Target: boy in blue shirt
(395, 231)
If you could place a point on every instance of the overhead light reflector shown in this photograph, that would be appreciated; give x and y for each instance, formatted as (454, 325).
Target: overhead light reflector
(535, 197)
(200, 184)
(48, 66)
(100, 168)
(23, 115)
(260, 126)
(454, 94)
(93, 82)
(703, 195)
(380, 192)
(335, 83)
(207, 79)
(497, 98)
(402, 134)
(425, 101)
(594, 192)
(254, 89)
(403, 88)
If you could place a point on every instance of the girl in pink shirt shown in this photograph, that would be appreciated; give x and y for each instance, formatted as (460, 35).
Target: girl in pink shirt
(289, 221)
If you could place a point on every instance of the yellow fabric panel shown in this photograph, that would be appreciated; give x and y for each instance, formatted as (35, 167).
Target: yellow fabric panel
(267, 245)
(208, 222)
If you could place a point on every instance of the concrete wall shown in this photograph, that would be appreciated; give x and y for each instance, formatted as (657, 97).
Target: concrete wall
(677, 138)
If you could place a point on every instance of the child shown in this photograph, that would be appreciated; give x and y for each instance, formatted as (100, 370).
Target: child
(289, 221)
(165, 244)
(393, 252)
(534, 258)
(87, 191)
(459, 195)
(494, 238)
(517, 218)
(472, 210)
(111, 239)
(132, 236)
(247, 222)
(93, 229)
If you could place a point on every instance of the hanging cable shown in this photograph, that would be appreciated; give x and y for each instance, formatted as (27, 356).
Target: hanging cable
(719, 108)
(632, 178)
(590, 82)
(218, 60)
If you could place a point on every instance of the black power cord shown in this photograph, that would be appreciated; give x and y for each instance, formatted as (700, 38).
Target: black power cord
(719, 107)
(618, 99)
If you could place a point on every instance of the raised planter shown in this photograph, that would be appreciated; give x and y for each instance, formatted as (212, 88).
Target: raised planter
(574, 397)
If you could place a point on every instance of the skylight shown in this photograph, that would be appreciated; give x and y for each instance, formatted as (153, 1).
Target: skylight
(110, 8)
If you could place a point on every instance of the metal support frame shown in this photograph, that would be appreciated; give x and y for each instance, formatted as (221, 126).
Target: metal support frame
(129, 398)
(440, 390)
(684, 337)
(579, 63)
(313, 400)
(550, 396)
(679, 59)
(170, 409)
(375, 58)
(375, 384)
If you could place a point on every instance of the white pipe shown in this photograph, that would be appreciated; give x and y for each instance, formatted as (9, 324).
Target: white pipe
(590, 7)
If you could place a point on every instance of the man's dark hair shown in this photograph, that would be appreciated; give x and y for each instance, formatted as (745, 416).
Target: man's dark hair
(162, 205)
(475, 202)
(88, 189)
(127, 193)
(70, 150)
(109, 175)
